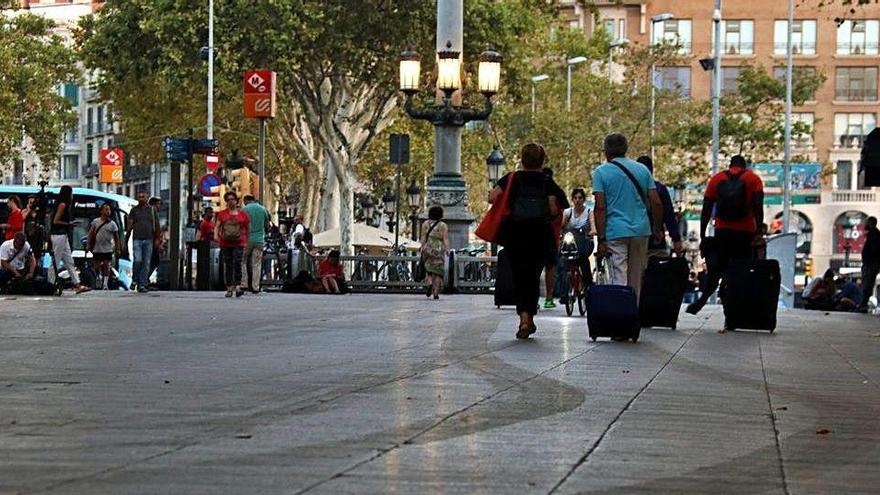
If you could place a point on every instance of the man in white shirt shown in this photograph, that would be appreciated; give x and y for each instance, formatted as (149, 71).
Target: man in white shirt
(17, 261)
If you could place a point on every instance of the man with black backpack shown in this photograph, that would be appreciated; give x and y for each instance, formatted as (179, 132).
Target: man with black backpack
(734, 198)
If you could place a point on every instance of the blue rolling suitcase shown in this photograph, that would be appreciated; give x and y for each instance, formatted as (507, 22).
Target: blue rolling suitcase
(612, 311)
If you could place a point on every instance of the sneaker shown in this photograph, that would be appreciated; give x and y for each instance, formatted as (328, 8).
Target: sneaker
(239, 293)
(549, 303)
(693, 308)
(228, 293)
(133, 286)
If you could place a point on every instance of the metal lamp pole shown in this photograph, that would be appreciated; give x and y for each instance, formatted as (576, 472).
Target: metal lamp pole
(716, 88)
(571, 62)
(786, 185)
(614, 44)
(535, 81)
(209, 128)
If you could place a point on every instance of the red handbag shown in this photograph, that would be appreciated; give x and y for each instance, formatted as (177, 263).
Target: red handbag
(490, 227)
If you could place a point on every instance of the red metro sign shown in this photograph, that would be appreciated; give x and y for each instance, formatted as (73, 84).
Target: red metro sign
(259, 94)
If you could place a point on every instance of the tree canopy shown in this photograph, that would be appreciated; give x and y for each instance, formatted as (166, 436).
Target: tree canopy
(34, 62)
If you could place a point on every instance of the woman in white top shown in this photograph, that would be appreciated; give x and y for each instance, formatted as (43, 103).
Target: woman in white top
(579, 220)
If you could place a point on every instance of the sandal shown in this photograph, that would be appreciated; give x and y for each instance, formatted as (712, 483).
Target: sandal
(82, 289)
(523, 332)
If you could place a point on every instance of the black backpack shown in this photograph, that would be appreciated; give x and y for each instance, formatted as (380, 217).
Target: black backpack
(531, 201)
(732, 201)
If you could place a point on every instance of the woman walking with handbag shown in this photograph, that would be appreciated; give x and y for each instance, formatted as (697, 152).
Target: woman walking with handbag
(435, 246)
(526, 231)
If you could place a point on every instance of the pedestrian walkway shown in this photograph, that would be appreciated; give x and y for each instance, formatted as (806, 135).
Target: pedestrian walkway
(400, 394)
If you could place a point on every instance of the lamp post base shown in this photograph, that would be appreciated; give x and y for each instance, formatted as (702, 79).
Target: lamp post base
(450, 193)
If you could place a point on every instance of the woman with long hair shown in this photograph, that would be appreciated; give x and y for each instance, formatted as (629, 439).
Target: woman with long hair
(62, 226)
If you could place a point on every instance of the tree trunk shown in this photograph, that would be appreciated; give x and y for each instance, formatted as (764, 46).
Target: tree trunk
(346, 181)
(329, 218)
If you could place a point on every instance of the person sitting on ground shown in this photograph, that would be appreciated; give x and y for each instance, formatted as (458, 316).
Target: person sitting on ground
(820, 290)
(331, 273)
(848, 294)
(17, 263)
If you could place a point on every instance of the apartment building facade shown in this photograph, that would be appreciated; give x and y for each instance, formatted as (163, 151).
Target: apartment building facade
(841, 44)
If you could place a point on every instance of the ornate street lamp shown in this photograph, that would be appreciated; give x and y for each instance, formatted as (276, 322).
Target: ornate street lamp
(495, 163)
(414, 196)
(389, 202)
(449, 81)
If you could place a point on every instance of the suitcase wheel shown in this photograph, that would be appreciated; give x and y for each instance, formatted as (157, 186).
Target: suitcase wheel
(593, 338)
(635, 339)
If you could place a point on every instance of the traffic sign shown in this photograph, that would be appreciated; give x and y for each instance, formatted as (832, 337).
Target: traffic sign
(259, 94)
(206, 183)
(203, 146)
(212, 161)
(111, 165)
(176, 149)
(399, 149)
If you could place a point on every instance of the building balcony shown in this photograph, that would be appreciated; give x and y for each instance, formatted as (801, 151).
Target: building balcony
(135, 173)
(849, 142)
(743, 48)
(864, 48)
(90, 170)
(838, 197)
(796, 49)
(857, 95)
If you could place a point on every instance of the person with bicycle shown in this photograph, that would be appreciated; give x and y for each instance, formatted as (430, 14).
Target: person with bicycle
(579, 221)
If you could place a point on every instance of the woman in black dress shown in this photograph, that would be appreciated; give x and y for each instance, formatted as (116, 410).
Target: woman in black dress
(527, 232)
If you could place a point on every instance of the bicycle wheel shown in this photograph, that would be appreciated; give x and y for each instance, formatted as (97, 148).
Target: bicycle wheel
(582, 301)
(569, 300)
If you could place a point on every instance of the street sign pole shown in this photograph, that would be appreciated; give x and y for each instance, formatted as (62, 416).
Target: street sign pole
(174, 226)
(261, 169)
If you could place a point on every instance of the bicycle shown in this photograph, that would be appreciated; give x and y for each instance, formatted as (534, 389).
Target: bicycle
(576, 286)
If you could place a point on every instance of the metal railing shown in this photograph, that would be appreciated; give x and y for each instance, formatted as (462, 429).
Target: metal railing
(796, 49)
(864, 48)
(853, 196)
(847, 94)
(741, 48)
(392, 273)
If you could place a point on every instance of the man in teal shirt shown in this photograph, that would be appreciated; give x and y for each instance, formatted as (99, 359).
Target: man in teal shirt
(627, 211)
(260, 219)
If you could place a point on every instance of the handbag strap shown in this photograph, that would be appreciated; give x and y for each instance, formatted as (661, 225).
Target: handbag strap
(638, 187)
(428, 233)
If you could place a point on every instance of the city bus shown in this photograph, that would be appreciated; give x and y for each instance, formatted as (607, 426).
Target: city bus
(86, 207)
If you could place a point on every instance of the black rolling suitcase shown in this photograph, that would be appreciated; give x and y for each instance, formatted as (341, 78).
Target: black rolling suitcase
(612, 310)
(750, 294)
(663, 288)
(504, 295)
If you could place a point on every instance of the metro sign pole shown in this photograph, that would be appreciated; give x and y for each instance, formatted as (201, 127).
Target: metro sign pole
(259, 103)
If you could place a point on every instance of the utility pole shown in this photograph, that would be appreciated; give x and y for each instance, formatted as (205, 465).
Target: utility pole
(210, 124)
(716, 87)
(786, 186)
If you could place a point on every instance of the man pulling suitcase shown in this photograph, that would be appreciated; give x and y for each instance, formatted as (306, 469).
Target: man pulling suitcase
(734, 199)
